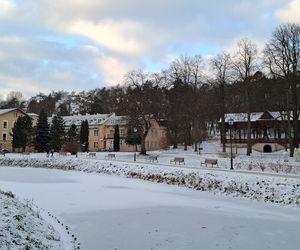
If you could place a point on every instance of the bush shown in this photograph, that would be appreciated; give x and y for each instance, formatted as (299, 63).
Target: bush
(72, 147)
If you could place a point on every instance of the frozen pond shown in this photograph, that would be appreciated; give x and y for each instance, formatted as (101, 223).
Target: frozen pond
(109, 212)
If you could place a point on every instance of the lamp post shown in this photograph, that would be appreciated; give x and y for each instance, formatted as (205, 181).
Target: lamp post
(230, 122)
(135, 136)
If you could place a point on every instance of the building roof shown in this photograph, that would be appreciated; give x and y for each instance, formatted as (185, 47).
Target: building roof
(93, 120)
(4, 111)
(117, 120)
(32, 114)
(255, 116)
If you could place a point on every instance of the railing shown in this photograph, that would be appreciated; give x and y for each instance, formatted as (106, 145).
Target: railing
(258, 140)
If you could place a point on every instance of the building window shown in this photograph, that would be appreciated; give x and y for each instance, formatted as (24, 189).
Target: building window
(5, 124)
(95, 144)
(4, 137)
(96, 132)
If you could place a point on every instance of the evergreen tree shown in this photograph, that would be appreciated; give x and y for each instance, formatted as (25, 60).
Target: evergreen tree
(22, 133)
(84, 135)
(57, 133)
(72, 134)
(42, 133)
(133, 137)
(117, 139)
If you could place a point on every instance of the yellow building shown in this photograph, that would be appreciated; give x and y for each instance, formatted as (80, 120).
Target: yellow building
(102, 136)
(102, 129)
(8, 118)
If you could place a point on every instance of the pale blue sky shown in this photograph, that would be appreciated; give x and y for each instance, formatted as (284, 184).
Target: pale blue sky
(82, 44)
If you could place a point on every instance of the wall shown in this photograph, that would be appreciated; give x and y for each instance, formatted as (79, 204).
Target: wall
(10, 117)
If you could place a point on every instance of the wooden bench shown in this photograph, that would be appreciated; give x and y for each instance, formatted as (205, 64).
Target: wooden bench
(92, 155)
(210, 161)
(110, 156)
(152, 158)
(62, 153)
(178, 159)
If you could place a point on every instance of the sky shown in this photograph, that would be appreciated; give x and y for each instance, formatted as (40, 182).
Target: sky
(79, 45)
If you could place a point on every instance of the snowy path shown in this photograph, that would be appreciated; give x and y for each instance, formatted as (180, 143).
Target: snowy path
(109, 212)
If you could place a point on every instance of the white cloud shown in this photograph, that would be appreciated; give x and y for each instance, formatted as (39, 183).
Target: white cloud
(113, 70)
(290, 13)
(83, 44)
(118, 36)
(7, 6)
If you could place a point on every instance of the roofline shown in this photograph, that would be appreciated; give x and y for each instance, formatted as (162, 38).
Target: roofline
(10, 110)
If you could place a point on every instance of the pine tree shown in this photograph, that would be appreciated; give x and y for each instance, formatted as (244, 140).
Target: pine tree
(22, 132)
(57, 133)
(117, 139)
(133, 138)
(72, 134)
(42, 133)
(84, 135)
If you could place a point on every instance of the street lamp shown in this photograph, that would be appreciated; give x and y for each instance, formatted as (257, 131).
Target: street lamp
(135, 136)
(230, 123)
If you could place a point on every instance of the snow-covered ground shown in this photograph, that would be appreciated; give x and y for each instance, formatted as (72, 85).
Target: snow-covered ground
(275, 188)
(21, 227)
(107, 212)
(257, 162)
(111, 212)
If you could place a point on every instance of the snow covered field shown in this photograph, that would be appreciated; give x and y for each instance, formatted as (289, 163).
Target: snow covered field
(110, 212)
(257, 162)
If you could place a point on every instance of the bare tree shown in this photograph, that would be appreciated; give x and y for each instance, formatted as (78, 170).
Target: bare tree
(221, 65)
(245, 64)
(282, 55)
(143, 102)
(187, 71)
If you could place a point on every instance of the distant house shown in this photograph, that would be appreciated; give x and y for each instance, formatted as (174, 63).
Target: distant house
(268, 130)
(8, 118)
(102, 129)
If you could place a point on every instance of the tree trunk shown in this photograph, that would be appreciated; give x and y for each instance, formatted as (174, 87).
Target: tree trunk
(249, 144)
(223, 132)
(175, 145)
(143, 146)
(196, 147)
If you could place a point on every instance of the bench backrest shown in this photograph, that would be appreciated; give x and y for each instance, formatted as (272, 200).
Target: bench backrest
(111, 155)
(211, 161)
(179, 159)
(92, 154)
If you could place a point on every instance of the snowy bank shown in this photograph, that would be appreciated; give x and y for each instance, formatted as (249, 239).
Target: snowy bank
(21, 227)
(274, 189)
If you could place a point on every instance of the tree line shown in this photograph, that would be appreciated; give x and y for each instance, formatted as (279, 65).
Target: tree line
(193, 93)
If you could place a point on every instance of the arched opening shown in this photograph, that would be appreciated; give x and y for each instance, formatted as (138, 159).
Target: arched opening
(267, 149)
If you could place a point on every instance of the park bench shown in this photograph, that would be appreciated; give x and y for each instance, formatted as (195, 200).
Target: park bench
(25, 153)
(177, 159)
(2, 153)
(210, 161)
(152, 158)
(62, 153)
(92, 155)
(110, 156)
